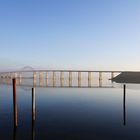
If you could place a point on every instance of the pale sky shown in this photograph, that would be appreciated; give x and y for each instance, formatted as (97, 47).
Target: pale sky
(70, 34)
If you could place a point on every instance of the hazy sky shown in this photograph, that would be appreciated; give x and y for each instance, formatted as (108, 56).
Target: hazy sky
(70, 34)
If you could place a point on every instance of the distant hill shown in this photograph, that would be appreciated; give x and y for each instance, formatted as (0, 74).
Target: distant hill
(127, 77)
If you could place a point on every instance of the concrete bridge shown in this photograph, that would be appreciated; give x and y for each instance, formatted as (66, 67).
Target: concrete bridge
(44, 77)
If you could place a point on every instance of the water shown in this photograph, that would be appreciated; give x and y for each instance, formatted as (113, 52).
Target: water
(72, 113)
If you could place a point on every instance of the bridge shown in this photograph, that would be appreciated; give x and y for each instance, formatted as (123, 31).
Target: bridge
(65, 78)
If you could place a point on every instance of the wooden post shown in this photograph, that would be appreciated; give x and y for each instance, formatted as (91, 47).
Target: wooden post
(33, 104)
(62, 79)
(79, 79)
(15, 104)
(124, 105)
(89, 79)
(70, 79)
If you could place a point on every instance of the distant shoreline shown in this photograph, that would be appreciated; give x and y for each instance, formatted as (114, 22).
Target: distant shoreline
(127, 77)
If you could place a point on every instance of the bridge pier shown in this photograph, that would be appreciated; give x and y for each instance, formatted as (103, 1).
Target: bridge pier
(112, 75)
(79, 79)
(54, 79)
(70, 79)
(62, 78)
(41, 78)
(34, 79)
(15, 75)
(46, 79)
(89, 79)
(20, 78)
(100, 79)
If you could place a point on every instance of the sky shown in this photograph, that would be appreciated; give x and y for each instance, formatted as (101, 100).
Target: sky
(70, 34)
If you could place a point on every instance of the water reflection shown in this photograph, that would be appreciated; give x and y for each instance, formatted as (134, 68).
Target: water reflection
(33, 129)
(33, 113)
(124, 105)
(14, 133)
(57, 110)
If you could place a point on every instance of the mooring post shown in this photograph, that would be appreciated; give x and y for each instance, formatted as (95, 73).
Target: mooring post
(33, 104)
(124, 105)
(79, 79)
(62, 79)
(15, 104)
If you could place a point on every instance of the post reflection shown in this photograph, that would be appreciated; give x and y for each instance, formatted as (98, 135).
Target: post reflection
(33, 113)
(14, 133)
(33, 129)
(124, 105)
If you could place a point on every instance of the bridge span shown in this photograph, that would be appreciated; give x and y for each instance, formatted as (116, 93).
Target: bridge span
(45, 77)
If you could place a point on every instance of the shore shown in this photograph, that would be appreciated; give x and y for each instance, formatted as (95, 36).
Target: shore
(127, 77)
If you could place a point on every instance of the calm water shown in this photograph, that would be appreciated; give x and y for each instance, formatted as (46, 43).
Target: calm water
(72, 113)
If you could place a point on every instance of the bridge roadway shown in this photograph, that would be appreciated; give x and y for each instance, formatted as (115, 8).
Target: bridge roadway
(103, 71)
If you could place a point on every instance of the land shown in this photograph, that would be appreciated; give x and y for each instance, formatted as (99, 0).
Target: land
(127, 77)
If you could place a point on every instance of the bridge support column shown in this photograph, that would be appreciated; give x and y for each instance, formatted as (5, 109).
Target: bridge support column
(15, 75)
(79, 79)
(62, 79)
(70, 79)
(34, 78)
(54, 79)
(89, 79)
(20, 78)
(46, 79)
(100, 79)
(41, 78)
(112, 75)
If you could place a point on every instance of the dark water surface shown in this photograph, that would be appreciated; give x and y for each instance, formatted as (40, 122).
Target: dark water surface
(72, 114)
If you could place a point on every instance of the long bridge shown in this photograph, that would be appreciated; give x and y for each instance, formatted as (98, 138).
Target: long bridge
(43, 78)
